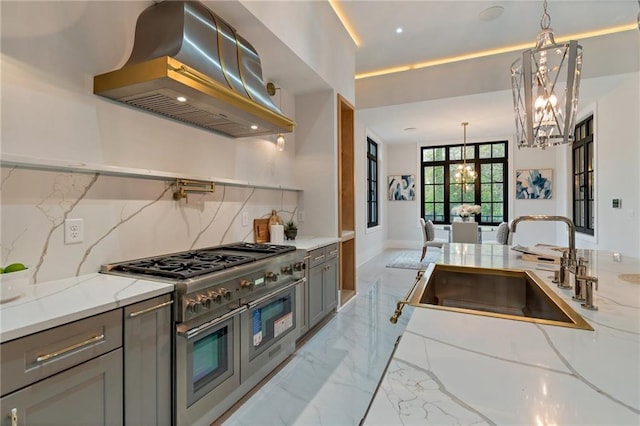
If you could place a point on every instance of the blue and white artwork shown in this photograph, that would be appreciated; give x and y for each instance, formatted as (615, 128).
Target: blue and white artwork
(534, 184)
(402, 187)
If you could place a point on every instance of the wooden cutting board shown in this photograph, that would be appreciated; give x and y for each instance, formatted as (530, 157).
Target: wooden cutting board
(261, 230)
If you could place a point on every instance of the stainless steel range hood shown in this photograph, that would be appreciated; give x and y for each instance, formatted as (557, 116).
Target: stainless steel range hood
(189, 65)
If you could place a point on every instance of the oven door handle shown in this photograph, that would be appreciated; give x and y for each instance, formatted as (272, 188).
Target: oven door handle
(258, 301)
(193, 332)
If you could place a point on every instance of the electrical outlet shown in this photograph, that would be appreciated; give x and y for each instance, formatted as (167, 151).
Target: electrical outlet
(73, 231)
(245, 219)
(300, 216)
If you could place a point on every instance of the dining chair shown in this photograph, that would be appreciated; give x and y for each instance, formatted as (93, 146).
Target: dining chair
(464, 232)
(428, 237)
(503, 235)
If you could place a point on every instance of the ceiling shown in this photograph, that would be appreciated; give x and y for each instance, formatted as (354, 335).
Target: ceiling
(435, 100)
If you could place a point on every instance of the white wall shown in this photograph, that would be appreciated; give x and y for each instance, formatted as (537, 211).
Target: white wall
(50, 110)
(617, 157)
(370, 241)
(617, 145)
(403, 215)
(316, 162)
(312, 30)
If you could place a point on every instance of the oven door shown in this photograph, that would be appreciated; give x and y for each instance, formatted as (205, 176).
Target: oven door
(207, 366)
(269, 331)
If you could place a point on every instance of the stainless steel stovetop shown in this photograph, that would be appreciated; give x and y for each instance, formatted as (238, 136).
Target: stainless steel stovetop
(217, 279)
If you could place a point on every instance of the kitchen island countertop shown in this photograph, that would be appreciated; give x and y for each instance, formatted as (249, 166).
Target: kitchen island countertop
(50, 304)
(457, 368)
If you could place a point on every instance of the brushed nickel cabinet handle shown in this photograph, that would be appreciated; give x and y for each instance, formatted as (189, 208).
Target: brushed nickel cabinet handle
(193, 332)
(281, 290)
(332, 252)
(319, 257)
(152, 308)
(89, 341)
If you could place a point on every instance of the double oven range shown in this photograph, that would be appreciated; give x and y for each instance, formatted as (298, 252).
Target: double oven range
(238, 312)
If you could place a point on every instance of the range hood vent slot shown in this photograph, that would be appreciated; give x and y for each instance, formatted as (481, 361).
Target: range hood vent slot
(182, 50)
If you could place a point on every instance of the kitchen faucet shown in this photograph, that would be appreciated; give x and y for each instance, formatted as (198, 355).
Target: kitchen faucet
(584, 284)
(568, 262)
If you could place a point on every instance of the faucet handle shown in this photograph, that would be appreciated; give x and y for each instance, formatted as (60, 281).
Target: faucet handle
(588, 300)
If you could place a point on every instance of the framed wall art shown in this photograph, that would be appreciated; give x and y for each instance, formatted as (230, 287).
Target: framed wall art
(534, 184)
(402, 188)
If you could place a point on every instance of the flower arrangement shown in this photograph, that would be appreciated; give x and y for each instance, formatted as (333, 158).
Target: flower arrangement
(466, 210)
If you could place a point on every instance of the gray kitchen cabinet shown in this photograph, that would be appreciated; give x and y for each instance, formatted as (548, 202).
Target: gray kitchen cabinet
(331, 284)
(302, 319)
(147, 362)
(67, 375)
(88, 394)
(315, 302)
(322, 290)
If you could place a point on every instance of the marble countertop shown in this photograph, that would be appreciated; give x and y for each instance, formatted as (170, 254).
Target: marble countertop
(305, 242)
(54, 303)
(456, 368)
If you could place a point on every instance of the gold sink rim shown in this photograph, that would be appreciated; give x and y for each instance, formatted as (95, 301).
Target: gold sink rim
(577, 321)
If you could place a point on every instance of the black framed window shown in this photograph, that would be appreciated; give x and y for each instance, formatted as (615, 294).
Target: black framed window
(372, 183)
(441, 193)
(583, 175)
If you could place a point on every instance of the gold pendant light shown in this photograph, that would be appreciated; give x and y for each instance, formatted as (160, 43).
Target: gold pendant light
(465, 174)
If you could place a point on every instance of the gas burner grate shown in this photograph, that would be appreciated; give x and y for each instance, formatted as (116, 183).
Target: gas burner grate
(183, 265)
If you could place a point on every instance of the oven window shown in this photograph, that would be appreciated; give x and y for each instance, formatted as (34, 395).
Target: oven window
(210, 358)
(272, 320)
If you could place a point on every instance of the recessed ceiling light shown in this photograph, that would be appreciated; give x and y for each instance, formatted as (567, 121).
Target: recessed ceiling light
(254, 127)
(181, 99)
(491, 13)
(408, 129)
(398, 30)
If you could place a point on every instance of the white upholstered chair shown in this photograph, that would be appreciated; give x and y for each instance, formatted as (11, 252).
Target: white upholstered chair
(464, 232)
(503, 235)
(428, 237)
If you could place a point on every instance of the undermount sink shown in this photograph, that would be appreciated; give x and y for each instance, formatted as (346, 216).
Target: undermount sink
(502, 293)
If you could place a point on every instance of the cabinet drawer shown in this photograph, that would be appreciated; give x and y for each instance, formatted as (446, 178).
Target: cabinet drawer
(40, 355)
(331, 251)
(87, 394)
(316, 257)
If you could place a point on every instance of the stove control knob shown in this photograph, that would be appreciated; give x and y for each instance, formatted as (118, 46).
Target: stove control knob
(287, 270)
(298, 266)
(246, 284)
(215, 297)
(270, 276)
(226, 293)
(205, 301)
(193, 306)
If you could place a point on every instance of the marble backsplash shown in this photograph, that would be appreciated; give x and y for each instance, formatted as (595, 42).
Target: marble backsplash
(124, 218)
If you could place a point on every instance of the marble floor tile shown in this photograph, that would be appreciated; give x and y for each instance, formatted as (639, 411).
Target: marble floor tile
(332, 377)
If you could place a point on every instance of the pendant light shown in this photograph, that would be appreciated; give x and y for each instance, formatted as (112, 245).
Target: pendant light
(545, 83)
(271, 90)
(465, 174)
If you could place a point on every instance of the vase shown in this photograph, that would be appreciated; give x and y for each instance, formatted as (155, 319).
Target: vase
(291, 234)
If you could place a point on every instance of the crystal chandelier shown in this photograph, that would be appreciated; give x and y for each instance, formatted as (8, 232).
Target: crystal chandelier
(545, 83)
(465, 174)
